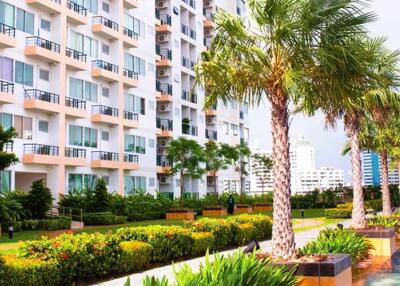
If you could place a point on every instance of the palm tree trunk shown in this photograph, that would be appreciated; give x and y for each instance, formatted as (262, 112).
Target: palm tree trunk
(283, 244)
(358, 213)
(387, 209)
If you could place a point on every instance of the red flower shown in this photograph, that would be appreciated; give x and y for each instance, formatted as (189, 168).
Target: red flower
(63, 255)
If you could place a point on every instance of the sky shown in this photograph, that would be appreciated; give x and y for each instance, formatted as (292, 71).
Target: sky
(328, 143)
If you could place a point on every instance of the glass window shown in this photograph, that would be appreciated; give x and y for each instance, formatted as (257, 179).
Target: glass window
(43, 126)
(106, 49)
(90, 91)
(44, 74)
(45, 25)
(5, 181)
(76, 41)
(7, 13)
(75, 135)
(25, 21)
(6, 120)
(23, 126)
(90, 136)
(90, 47)
(23, 73)
(79, 181)
(105, 91)
(226, 127)
(105, 135)
(135, 64)
(106, 7)
(135, 25)
(6, 68)
(133, 184)
(76, 89)
(136, 144)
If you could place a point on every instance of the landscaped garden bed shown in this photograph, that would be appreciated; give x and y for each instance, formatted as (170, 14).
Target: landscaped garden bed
(213, 211)
(262, 207)
(180, 214)
(243, 209)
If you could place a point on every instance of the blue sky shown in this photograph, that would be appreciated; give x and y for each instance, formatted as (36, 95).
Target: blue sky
(327, 142)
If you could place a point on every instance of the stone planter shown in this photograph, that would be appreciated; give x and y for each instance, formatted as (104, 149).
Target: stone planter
(243, 209)
(333, 271)
(180, 215)
(383, 240)
(215, 212)
(262, 207)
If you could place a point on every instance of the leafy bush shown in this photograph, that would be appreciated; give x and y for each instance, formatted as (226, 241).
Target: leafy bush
(103, 218)
(339, 212)
(238, 269)
(339, 241)
(244, 233)
(39, 200)
(392, 221)
(262, 224)
(135, 256)
(169, 242)
(202, 241)
(376, 205)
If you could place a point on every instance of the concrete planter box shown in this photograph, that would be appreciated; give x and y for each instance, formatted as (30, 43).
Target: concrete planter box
(188, 215)
(383, 240)
(333, 271)
(215, 212)
(243, 209)
(262, 207)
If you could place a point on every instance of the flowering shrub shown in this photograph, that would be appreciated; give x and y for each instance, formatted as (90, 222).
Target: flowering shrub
(390, 221)
(244, 233)
(201, 242)
(262, 225)
(135, 256)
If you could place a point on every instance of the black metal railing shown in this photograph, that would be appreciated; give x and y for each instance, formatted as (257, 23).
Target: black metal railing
(75, 103)
(207, 42)
(8, 147)
(105, 66)
(165, 19)
(165, 54)
(241, 114)
(192, 34)
(7, 87)
(75, 152)
(191, 3)
(157, 14)
(189, 129)
(71, 53)
(43, 43)
(7, 30)
(106, 22)
(163, 161)
(130, 74)
(76, 8)
(131, 116)
(129, 33)
(184, 29)
(164, 124)
(41, 149)
(187, 63)
(164, 88)
(211, 134)
(105, 110)
(42, 95)
(131, 158)
(189, 96)
(103, 155)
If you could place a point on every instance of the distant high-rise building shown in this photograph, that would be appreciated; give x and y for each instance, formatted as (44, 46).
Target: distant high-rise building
(371, 170)
(261, 178)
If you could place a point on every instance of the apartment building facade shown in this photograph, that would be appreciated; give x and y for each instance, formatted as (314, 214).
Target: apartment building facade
(371, 169)
(92, 92)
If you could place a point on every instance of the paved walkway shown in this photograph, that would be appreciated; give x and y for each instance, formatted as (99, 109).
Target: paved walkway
(136, 279)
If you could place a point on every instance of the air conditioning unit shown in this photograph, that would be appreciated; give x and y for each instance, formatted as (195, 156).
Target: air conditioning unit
(165, 180)
(209, 32)
(164, 107)
(162, 4)
(210, 181)
(211, 120)
(162, 72)
(163, 143)
(163, 38)
(208, 4)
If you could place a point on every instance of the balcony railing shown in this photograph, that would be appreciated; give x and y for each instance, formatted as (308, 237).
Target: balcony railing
(189, 96)
(241, 114)
(8, 147)
(128, 115)
(211, 134)
(43, 43)
(192, 34)
(166, 54)
(71, 53)
(75, 103)
(207, 43)
(129, 33)
(208, 14)
(185, 29)
(164, 88)
(187, 63)
(40, 149)
(165, 19)
(163, 161)
(103, 155)
(7, 87)
(131, 158)
(7, 30)
(105, 110)
(75, 152)
(42, 95)
(76, 8)
(105, 66)
(106, 22)
(191, 3)
(164, 124)
(157, 14)
(130, 74)
(189, 129)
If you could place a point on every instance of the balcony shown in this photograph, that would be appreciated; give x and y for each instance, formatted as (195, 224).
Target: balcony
(191, 3)
(211, 134)
(165, 58)
(163, 164)
(105, 27)
(130, 38)
(42, 100)
(130, 78)
(241, 115)
(165, 24)
(105, 71)
(6, 92)
(131, 162)
(7, 36)
(76, 13)
(208, 22)
(189, 96)
(164, 91)
(189, 129)
(105, 114)
(130, 4)
(75, 157)
(212, 111)
(164, 127)
(75, 60)
(50, 6)
(131, 120)
(105, 160)
(41, 154)
(187, 63)
(75, 107)
(188, 32)
(42, 49)
(157, 15)
(207, 43)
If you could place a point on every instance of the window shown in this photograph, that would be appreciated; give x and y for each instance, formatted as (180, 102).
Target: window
(5, 181)
(83, 44)
(105, 91)
(25, 21)
(106, 7)
(91, 5)
(135, 104)
(135, 144)
(90, 47)
(234, 129)
(23, 126)
(6, 120)
(226, 127)
(105, 135)
(135, 64)
(23, 73)
(6, 68)
(82, 136)
(133, 184)
(77, 182)
(75, 135)
(135, 25)
(105, 49)
(7, 14)
(90, 137)
(76, 41)
(151, 143)
(82, 89)
(44, 74)
(45, 25)
(43, 126)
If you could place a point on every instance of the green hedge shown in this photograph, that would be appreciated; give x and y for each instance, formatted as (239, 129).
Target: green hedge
(202, 241)
(103, 218)
(262, 225)
(135, 255)
(51, 223)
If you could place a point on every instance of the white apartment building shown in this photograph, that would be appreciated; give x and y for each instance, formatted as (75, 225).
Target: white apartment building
(98, 87)
(262, 179)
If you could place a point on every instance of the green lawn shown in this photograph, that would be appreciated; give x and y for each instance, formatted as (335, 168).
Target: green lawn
(308, 213)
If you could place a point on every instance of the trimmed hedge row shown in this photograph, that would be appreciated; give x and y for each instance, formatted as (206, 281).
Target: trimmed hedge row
(103, 218)
(344, 210)
(52, 223)
(70, 258)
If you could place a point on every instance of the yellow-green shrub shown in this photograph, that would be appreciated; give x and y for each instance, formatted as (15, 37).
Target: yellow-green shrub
(262, 225)
(135, 255)
(244, 233)
(201, 242)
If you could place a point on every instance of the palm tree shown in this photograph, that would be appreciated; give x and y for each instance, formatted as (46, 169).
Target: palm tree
(279, 55)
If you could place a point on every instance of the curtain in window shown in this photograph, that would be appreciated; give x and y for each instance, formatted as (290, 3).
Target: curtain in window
(91, 91)
(89, 181)
(75, 135)
(27, 128)
(74, 182)
(75, 88)
(6, 68)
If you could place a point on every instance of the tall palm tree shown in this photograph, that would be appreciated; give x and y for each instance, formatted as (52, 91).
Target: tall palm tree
(279, 55)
